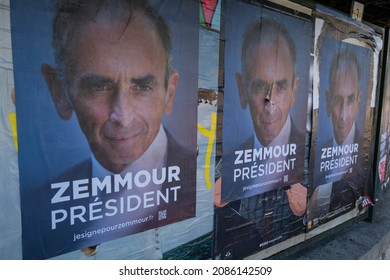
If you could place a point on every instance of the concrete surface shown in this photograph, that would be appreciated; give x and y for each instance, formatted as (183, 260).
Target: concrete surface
(361, 240)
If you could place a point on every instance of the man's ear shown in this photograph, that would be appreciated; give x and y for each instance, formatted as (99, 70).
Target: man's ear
(357, 103)
(56, 88)
(328, 102)
(359, 98)
(295, 89)
(241, 91)
(171, 92)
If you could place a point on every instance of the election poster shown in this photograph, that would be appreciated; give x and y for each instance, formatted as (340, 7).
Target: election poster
(345, 68)
(192, 239)
(261, 195)
(342, 110)
(267, 64)
(384, 132)
(107, 121)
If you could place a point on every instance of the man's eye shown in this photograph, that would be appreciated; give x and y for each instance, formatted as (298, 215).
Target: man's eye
(102, 87)
(351, 99)
(337, 100)
(259, 89)
(262, 88)
(142, 87)
(282, 85)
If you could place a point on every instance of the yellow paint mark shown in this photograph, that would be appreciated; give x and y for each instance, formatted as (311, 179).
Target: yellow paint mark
(210, 134)
(12, 121)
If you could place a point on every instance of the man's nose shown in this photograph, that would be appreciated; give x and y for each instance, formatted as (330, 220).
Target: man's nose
(269, 105)
(268, 99)
(121, 107)
(343, 110)
(269, 92)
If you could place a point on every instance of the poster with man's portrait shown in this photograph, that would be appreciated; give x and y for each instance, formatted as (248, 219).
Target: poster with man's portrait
(267, 66)
(344, 80)
(384, 141)
(262, 198)
(344, 96)
(107, 119)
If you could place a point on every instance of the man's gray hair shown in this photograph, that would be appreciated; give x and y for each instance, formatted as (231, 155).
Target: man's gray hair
(69, 13)
(345, 55)
(268, 29)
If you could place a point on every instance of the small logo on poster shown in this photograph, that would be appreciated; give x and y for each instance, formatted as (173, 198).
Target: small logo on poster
(162, 215)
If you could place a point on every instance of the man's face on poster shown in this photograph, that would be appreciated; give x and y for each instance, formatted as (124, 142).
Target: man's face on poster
(269, 87)
(117, 86)
(343, 100)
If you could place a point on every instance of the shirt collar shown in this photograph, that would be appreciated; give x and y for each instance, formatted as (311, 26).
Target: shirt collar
(281, 139)
(349, 139)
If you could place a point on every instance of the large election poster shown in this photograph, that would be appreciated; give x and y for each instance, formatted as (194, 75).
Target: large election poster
(107, 119)
(384, 132)
(345, 67)
(267, 64)
(343, 93)
(267, 83)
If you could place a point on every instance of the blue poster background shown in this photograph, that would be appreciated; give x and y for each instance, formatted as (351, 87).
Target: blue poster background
(325, 128)
(48, 146)
(237, 123)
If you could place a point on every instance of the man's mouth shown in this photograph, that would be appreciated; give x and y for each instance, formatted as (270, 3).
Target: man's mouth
(121, 137)
(342, 126)
(268, 122)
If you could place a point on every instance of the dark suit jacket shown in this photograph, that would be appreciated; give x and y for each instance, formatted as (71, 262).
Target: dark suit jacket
(234, 190)
(321, 177)
(345, 190)
(251, 224)
(108, 211)
(177, 155)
